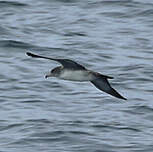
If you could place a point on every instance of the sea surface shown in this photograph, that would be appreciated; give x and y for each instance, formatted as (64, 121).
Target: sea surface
(114, 37)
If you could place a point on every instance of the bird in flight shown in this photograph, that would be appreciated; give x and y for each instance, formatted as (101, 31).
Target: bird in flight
(73, 71)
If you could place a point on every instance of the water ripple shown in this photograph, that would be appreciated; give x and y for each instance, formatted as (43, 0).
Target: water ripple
(113, 37)
(12, 4)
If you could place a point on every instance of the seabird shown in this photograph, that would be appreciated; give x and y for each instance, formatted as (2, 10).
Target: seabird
(73, 71)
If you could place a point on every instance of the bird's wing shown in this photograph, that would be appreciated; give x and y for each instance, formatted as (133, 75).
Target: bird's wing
(103, 84)
(69, 64)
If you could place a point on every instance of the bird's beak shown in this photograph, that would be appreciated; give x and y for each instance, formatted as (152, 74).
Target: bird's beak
(48, 75)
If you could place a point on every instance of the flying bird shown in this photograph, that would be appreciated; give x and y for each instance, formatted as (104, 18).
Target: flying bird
(73, 71)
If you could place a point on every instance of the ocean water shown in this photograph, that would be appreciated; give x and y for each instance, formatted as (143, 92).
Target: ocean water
(114, 37)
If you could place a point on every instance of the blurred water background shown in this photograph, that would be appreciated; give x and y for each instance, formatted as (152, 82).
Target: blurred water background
(114, 37)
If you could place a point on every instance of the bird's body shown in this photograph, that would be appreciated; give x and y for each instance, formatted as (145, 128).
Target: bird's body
(73, 71)
(76, 75)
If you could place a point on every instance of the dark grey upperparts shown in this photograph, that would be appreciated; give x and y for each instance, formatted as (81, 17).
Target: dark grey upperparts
(69, 64)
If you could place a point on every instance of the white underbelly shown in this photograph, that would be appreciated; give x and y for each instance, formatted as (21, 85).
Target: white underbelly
(76, 75)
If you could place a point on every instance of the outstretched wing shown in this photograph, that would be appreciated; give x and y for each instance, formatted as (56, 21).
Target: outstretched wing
(69, 64)
(103, 84)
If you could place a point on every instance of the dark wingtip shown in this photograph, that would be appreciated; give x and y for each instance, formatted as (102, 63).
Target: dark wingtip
(116, 94)
(120, 97)
(109, 77)
(29, 54)
(123, 98)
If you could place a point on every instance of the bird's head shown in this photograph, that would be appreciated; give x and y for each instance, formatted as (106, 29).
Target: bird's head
(54, 72)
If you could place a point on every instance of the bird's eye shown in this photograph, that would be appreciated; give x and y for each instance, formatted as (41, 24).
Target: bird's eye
(53, 70)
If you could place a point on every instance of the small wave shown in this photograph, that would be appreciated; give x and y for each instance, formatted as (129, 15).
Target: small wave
(11, 126)
(3, 31)
(11, 4)
(143, 109)
(148, 12)
(111, 2)
(116, 127)
(60, 134)
(17, 44)
(46, 121)
(71, 34)
(139, 110)
(114, 14)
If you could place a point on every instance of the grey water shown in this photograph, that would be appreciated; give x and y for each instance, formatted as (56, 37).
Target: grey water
(114, 37)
